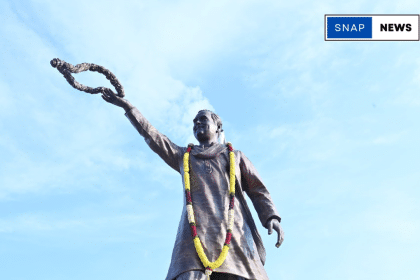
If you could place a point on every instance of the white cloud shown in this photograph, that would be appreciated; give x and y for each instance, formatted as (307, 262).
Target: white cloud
(76, 135)
(57, 140)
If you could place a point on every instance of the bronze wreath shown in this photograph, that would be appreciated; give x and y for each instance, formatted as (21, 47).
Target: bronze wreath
(66, 69)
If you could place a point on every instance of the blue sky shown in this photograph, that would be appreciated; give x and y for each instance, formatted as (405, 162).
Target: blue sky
(333, 128)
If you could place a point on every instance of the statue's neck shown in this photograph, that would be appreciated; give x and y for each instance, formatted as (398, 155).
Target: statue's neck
(206, 144)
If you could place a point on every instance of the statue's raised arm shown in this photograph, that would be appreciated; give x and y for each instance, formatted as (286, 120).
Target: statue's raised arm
(117, 101)
(159, 143)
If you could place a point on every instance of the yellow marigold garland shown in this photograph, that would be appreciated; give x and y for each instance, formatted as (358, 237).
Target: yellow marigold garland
(210, 266)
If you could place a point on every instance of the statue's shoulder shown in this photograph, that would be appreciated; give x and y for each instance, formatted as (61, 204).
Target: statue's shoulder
(238, 153)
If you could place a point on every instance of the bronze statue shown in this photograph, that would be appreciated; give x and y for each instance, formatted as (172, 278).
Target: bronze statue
(209, 192)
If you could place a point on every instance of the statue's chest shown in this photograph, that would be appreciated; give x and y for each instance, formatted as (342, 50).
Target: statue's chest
(209, 166)
(209, 173)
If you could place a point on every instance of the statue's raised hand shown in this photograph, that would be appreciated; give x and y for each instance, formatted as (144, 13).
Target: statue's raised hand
(110, 97)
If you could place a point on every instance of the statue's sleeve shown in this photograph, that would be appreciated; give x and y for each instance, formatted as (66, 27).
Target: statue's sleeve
(256, 190)
(159, 143)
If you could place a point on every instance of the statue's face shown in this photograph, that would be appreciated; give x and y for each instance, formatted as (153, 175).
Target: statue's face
(204, 127)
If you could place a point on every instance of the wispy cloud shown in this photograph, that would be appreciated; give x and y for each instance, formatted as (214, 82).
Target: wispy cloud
(330, 126)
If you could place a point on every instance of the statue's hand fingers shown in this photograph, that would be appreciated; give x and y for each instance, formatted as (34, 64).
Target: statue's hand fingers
(110, 99)
(108, 93)
(106, 98)
(280, 234)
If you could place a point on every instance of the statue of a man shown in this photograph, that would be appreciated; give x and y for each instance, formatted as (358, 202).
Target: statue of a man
(209, 188)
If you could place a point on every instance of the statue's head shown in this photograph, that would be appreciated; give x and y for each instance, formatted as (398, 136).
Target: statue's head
(207, 126)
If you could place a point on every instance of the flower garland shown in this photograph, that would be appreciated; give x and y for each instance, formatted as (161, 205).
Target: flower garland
(210, 266)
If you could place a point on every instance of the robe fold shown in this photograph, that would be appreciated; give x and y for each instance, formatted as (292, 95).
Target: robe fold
(209, 175)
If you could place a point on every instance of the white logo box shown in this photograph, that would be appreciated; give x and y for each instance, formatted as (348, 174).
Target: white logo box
(389, 25)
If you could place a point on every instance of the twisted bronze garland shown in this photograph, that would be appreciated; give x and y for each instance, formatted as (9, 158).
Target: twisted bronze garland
(66, 69)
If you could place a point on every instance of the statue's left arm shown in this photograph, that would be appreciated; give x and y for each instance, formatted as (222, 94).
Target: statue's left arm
(260, 197)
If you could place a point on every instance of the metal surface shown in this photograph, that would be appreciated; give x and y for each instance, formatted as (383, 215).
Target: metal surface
(209, 191)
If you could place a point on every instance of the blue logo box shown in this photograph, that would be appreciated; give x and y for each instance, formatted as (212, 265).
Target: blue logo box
(349, 27)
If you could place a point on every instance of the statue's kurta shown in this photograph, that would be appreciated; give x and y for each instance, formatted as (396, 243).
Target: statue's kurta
(209, 173)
